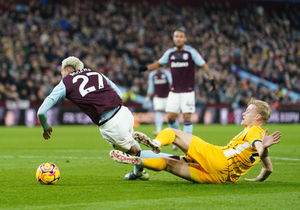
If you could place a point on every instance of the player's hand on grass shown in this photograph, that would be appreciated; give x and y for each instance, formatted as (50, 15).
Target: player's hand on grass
(252, 180)
(257, 179)
(47, 133)
(268, 141)
(264, 174)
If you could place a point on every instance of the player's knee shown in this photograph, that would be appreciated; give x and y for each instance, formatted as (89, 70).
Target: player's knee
(187, 118)
(171, 164)
(171, 119)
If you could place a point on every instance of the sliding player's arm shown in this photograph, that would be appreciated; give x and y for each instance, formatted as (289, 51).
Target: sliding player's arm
(262, 149)
(58, 93)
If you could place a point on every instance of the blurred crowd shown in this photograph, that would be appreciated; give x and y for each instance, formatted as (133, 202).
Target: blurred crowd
(115, 37)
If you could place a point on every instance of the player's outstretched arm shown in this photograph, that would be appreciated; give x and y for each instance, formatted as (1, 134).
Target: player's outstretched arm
(57, 94)
(207, 70)
(42, 116)
(150, 67)
(262, 149)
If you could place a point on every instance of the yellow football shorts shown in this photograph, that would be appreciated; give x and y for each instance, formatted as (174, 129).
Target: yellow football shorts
(211, 164)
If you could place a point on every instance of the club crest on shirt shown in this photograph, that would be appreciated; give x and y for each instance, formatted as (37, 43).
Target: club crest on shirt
(185, 56)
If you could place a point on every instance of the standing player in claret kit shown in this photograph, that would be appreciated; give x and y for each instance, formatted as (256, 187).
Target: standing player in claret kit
(100, 99)
(159, 82)
(183, 60)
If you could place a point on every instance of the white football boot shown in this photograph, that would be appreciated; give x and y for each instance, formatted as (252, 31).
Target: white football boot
(147, 141)
(122, 157)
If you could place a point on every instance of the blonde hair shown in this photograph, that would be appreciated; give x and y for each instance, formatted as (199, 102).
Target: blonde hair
(73, 62)
(262, 108)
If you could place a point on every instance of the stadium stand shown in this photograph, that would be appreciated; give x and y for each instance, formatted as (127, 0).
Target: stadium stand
(115, 37)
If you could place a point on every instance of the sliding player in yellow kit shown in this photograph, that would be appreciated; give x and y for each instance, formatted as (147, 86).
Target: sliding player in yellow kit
(207, 163)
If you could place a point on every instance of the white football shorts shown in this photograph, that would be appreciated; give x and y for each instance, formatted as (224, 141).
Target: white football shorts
(159, 104)
(181, 102)
(118, 130)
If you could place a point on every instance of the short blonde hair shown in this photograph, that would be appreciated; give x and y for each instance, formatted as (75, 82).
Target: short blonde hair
(262, 108)
(73, 62)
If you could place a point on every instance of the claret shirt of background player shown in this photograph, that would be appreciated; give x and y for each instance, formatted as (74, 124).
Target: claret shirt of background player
(90, 91)
(159, 83)
(182, 64)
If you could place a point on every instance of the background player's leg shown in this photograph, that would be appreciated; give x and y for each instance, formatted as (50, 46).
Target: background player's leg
(173, 123)
(158, 121)
(188, 126)
(172, 120)
(173, 108)
(187, 108)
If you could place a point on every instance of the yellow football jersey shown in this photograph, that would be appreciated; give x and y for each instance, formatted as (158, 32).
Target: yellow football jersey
(241, 152)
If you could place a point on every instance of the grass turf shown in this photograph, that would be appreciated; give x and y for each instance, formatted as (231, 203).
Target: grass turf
(91, 180)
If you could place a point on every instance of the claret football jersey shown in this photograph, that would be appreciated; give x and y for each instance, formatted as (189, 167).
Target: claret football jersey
(182, 64)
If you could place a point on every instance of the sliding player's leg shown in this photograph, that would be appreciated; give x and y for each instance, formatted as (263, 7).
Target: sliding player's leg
(177, 167)
(138, 171)
(165, 137)
(176, 137)
(187, 170)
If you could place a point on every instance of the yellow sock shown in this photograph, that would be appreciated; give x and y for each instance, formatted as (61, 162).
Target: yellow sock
(166, 136)
(155, 164)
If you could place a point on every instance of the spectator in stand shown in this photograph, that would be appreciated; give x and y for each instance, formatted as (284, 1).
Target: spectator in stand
(114, 37)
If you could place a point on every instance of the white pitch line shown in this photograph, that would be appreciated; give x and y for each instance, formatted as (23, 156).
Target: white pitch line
(285, 158)
(53, 157)
(65, 150)
(98, 158)
(281, 163)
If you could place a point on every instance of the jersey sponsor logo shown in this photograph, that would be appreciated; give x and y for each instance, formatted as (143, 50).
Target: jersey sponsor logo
(185, 56)
(179, 64)
(160, 81)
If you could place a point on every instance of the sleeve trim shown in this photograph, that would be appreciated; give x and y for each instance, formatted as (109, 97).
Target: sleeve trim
(252, 145)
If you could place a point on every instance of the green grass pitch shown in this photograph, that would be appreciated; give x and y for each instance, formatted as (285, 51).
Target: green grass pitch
(91, 180)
